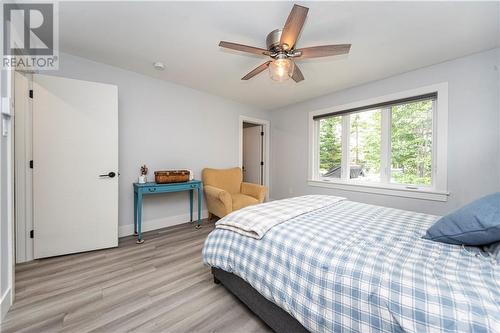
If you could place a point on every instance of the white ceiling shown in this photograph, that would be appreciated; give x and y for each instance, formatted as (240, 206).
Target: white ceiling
(387, 38)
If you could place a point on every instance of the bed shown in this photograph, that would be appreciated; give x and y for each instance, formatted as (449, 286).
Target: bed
(353, 267)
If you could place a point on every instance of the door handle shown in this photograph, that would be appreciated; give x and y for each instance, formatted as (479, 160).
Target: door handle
(110, 175)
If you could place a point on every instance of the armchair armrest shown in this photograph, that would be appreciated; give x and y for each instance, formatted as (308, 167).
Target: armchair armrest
(254, 190)
(219, 194)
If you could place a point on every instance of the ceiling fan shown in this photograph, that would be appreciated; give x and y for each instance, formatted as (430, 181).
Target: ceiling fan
(281, 49)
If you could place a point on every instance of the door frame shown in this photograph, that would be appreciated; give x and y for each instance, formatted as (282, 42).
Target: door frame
(266, 124)
(23, 153)
(7, 299)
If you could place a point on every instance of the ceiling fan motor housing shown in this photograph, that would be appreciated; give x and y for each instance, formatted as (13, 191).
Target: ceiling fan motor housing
(273, 40)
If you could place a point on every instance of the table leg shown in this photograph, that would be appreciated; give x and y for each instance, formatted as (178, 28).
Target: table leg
(139, 219)
(135, 213)
(191, 205)
(199, 208)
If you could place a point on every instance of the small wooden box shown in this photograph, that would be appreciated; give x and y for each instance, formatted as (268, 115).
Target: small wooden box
(171, 176)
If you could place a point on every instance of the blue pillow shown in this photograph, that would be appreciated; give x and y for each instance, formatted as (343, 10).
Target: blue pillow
(475, 224)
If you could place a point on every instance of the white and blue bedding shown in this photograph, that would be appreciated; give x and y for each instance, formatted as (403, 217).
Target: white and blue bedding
(352, 267)
(255, 221)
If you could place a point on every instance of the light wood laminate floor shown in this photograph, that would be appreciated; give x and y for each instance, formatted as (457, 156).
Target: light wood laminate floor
(159, 286)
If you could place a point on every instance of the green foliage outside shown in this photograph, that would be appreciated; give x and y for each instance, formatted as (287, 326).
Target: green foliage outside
(330, 143)
(411, 142)
(365, 141)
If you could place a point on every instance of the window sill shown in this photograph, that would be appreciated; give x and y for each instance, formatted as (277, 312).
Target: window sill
(397, 191)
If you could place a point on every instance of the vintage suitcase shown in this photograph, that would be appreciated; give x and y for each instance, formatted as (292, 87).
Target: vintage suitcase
(171, 176)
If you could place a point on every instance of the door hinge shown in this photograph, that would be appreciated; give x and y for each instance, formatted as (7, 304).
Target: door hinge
(32, 234)
(31, 93)
(261, 133)
(31, 164)
(261, 163)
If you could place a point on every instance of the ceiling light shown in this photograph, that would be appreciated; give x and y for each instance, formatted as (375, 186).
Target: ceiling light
(159, 66)
(281, 69)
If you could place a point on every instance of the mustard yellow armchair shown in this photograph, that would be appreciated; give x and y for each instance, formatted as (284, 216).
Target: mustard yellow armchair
(226, 192)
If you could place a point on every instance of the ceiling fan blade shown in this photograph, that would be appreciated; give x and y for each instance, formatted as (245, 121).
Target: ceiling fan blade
(244, 48)
(293, 26)
(324, 51)
(297, 74)
(256, 71)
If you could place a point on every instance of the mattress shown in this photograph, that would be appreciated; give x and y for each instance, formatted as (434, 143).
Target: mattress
(353, 267)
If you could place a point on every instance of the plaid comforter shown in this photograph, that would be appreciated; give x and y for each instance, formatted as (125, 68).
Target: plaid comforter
(254, 221)
(353, 267)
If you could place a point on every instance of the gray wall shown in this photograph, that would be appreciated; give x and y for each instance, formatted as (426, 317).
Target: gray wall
(164, 125)
(473, 133)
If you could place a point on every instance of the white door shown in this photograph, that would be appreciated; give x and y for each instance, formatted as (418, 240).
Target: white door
(252, 154)
(75, 141)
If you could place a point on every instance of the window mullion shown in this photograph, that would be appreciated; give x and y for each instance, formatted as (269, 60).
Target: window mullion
(314, 163)
(434, 164)
(346, 130)
(385, 146)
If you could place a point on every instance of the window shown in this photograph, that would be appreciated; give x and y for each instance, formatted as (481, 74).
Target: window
(387, 144)
(364, 145)
(330, 146)
(411, 143)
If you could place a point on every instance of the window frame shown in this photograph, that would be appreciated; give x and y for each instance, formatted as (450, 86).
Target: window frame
(437, 191)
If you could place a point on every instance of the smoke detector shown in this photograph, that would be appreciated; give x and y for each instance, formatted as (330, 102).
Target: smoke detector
(159, 66)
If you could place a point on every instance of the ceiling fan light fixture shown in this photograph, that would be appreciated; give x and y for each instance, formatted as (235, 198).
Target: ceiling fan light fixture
(281, 69)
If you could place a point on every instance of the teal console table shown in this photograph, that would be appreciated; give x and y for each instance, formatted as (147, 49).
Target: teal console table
(152, 188)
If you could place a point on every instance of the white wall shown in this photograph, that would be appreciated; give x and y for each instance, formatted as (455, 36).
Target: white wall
(473, 133)
(165, 126)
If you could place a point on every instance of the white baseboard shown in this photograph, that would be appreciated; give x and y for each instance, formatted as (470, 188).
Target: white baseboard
(128, 229)
(5, 303)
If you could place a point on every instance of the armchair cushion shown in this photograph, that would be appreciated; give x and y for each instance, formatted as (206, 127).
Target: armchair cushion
(242, 200)
(254, 190)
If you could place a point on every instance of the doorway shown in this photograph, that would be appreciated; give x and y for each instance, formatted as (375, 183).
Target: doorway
(253, 153)
(254, 150)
